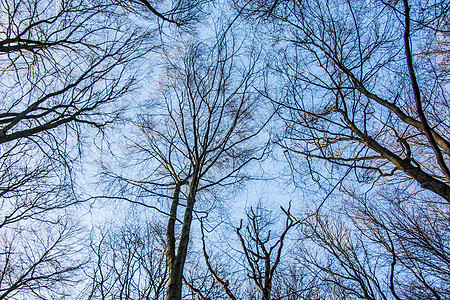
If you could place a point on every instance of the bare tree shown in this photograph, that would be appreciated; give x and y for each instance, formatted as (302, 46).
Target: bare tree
(63, 64)
(261, 256)
(59, 66)
(129, 263)
(197, 137)
(63, 67)
(378, 251)
(376, 106)
(262, 250)
(366, 92)
(40, 260)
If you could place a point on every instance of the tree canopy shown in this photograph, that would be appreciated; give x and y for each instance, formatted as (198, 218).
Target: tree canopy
(234, 149)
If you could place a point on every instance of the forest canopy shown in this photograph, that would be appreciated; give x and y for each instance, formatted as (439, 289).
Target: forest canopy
(234, 149)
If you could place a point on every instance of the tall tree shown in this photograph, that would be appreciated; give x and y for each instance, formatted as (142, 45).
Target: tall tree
(198, 136)
(360, 92)
(62, 63)
(63, 67)
(366, 92)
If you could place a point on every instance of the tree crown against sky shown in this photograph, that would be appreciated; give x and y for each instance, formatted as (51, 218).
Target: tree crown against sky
(65, 68)
(367, 95)
(354, 97)
(196, 135)
(360, 88)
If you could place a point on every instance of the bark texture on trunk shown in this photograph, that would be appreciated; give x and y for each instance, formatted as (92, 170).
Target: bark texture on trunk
(174, 284)
(176, 257)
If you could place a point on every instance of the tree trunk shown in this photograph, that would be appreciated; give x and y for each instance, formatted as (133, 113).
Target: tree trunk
(176, 261)
(174, 284)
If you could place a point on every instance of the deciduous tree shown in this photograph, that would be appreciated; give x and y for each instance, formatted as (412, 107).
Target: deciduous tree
(359, 93)
(366, 94)
(197, 137)
(64, 65)
(129, 263)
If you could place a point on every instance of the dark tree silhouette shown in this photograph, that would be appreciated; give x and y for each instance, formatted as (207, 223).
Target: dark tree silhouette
(129, 263)
(356, 95)
(197, 137)
(63, 67)
(366, 93)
